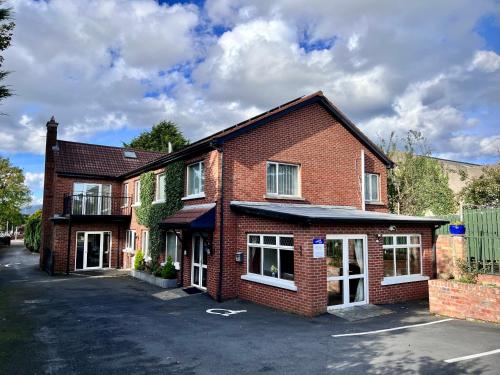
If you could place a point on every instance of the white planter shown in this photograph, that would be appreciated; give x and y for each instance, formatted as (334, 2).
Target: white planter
(150, 279)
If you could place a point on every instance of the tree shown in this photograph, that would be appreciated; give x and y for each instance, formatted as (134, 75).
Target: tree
(13, 192)
(417, 184)
(33, 231)
(483, 190)
(158, 138)
(6, 27)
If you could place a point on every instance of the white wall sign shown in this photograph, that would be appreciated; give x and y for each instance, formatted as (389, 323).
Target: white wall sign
(318, 248)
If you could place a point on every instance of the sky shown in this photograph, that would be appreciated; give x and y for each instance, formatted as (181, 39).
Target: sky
(108, 70)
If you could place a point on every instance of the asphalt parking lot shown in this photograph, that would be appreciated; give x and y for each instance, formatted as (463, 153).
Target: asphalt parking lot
(118, 325)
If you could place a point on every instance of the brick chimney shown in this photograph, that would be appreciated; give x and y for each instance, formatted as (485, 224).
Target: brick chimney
(48, 187)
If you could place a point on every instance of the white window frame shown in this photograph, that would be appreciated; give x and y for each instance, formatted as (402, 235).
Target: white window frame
(369, 186)
(100, 196)
(146, 250)
(125, 195)
(277, 194)
(101, 255)
(390, 280)
(158, 198)
(130, 239)
(137, 192)
(201, 194)
(176, 261)
(261, 278)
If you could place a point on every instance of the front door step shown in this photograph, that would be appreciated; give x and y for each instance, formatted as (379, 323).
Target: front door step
(356, 313)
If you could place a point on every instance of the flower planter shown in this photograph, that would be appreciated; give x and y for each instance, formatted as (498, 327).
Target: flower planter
(457, 230)
(150, 279)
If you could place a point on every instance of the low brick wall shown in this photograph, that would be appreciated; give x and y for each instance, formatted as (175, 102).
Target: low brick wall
(479, 301)
(449, 249)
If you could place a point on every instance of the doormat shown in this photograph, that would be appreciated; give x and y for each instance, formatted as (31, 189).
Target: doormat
(192, 290)
(362, 312)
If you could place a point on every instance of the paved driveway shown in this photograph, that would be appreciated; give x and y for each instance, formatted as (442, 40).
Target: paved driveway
(115, 325)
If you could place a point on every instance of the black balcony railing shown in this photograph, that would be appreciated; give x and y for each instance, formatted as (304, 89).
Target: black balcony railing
(81, 204)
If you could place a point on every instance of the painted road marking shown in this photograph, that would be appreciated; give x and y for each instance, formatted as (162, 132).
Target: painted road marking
(472, 356)
(226, 312)
(392, 329)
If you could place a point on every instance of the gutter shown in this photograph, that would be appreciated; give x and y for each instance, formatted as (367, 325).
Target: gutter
(221, 225)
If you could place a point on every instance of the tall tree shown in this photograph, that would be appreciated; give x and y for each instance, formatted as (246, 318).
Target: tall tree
(6, 27)
(418, 184)
(483, 190)
(13, 192)
(158, 138)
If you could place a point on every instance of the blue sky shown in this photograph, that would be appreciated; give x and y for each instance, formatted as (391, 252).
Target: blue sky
(110, 70)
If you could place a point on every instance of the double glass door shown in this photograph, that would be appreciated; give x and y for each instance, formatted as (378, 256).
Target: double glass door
(92, 250)
(91, 199)
(346, 270)
(199, 262)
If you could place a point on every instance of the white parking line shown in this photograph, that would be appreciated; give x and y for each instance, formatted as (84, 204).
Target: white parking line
(392, 329)
(472, 356)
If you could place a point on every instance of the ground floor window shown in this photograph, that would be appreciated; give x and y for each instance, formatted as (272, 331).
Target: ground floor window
(145, 244)
(402, 255)
(130, 240)
(271, 256)
(173, 249)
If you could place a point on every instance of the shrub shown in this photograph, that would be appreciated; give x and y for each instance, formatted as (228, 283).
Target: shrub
(139, 263)
(33, 231)
(467, 275)
(168, 270)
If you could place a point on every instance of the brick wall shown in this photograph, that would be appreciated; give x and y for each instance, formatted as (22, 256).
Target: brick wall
(465, 301)
(449, 249)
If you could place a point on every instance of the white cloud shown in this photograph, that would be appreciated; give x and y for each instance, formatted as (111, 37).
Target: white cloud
(486, 61)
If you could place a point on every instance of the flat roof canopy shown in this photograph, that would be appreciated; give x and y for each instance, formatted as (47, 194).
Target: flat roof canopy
(196, 217)
(325, 214)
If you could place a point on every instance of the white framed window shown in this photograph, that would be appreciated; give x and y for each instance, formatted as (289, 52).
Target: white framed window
(130, 240)
(137, 193)
(196, 180)
(160, 187)
(91, 199)
(145, 244)
(283, 179)
(125, 195)
(173, 249)
(402, 258)
(270, 260)
(372, 187)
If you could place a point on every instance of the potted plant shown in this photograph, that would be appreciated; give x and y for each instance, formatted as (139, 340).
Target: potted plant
(274, 271)
(168, 272)
(457, 228)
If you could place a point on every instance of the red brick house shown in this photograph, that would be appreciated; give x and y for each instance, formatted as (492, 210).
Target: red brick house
(287, 209)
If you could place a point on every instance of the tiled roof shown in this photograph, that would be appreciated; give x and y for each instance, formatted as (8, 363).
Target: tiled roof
(95, 160)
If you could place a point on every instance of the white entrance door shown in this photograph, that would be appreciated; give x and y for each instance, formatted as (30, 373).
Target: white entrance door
(199, 263)
(347, 280)
(92, 250)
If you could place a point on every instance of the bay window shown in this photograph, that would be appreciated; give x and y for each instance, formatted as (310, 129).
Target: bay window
(196, 179)
(402, 258)
(282, 179)
(372, 187)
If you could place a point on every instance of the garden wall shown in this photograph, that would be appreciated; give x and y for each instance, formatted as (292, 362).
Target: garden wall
(479, 301)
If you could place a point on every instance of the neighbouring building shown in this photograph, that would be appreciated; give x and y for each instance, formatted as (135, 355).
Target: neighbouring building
(287, 209)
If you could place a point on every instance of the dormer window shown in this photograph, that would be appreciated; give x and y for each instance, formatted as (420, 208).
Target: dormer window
(282, 179)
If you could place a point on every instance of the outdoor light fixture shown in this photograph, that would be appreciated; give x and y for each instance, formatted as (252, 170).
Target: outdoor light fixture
(392, 228)
(239, 257)
(378, 236)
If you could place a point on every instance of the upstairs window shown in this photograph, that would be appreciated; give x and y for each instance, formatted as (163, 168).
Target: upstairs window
(282, 179)
(160, 188)
(372, 187)
(137, 192)
(196, 179)
(125, 195)
(130, 240)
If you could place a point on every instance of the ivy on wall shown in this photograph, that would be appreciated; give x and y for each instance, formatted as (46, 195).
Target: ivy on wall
(149, 214)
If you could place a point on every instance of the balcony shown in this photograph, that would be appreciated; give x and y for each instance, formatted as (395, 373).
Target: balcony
(84, 205)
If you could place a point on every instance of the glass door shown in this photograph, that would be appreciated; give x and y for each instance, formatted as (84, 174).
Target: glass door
(93, 250)
(199, 262)
(346, 270)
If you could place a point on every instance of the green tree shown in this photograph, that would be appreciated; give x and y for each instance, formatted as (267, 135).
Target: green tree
(158, 138)
(13, 192)
(417, 184)
(33, 231)
(483, 190)
(6, 27)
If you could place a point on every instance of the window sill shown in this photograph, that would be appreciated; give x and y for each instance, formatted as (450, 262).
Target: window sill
(158, 202)
(283, 197)
(283, 284)
(374, 203)
(136, 205)
(194, 196)
(403, 279)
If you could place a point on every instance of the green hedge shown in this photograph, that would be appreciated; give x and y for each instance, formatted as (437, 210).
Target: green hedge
(33, 231)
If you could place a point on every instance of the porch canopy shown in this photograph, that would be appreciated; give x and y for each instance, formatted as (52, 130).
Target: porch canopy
(195, 217)
(306, 213)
